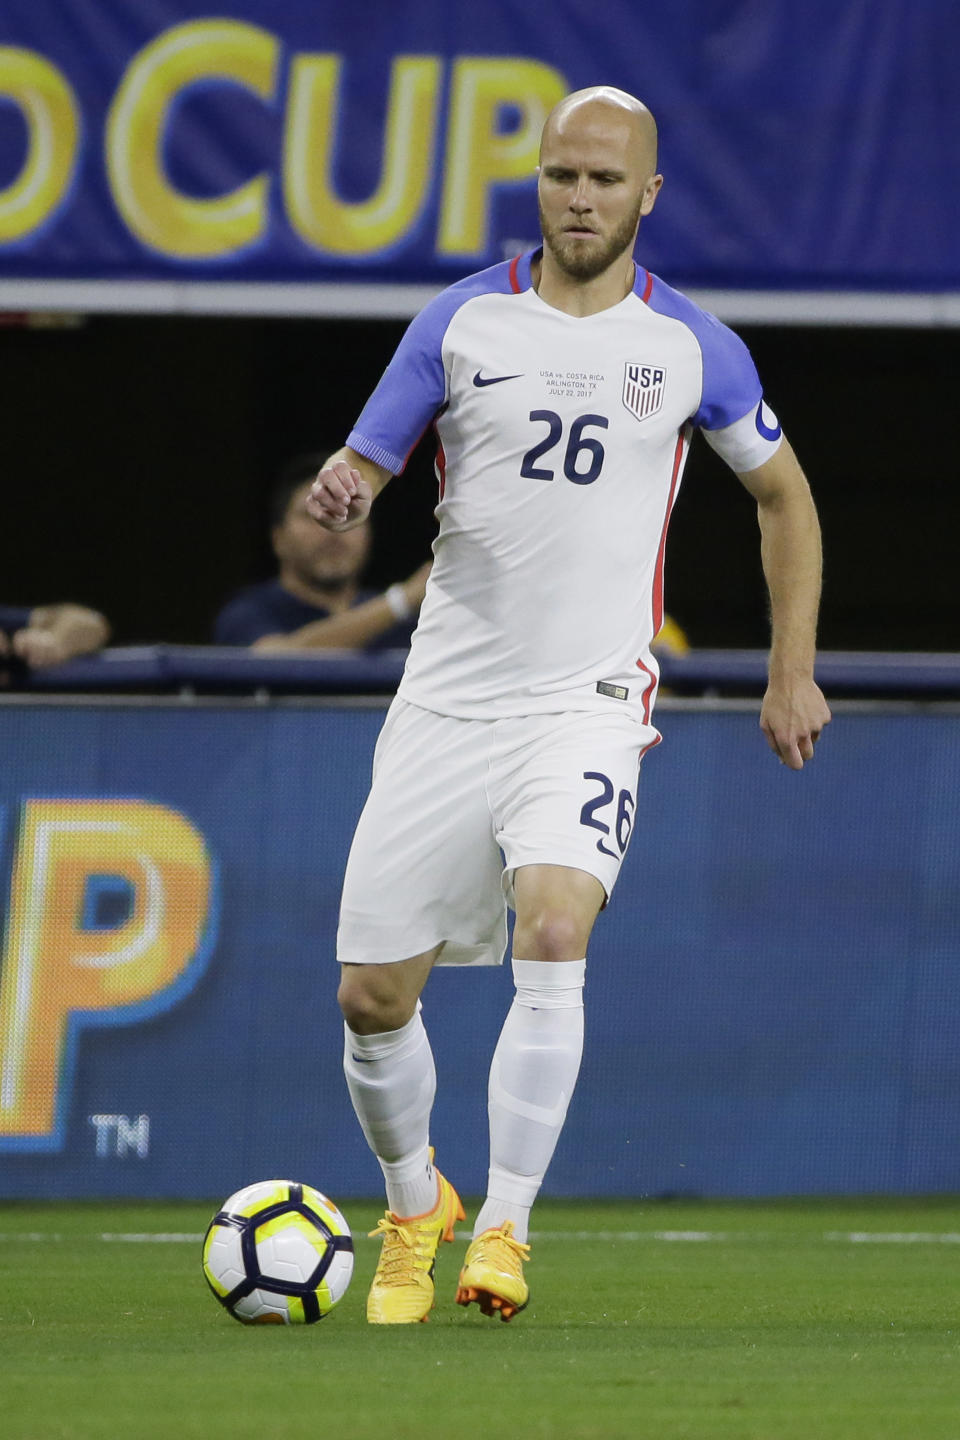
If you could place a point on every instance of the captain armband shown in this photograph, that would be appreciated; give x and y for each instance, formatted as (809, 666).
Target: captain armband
(749, 441)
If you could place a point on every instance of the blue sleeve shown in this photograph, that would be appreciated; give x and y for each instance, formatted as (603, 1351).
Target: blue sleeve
(240, 622)
(14, 618)
(731, 386)
(398, 637)
(413, 388)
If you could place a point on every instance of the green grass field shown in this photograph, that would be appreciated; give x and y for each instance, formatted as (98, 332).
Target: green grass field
(734, 1321)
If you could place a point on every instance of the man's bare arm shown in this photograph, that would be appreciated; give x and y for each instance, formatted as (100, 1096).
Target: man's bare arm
(353, 628)
(345, 489)
(794, 711)
(59, 632)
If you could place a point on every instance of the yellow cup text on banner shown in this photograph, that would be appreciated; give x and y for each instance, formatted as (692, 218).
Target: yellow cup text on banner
(48, 106)
(158, 214)
(315, 211)
(478, 155)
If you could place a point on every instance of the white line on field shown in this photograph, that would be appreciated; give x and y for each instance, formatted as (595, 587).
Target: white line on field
(895, 1237)
(631, 1236)
(172, 1237)
(29, 1235)
(845, 1237)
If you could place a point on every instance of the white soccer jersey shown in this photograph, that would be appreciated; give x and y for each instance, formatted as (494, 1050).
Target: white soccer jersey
(561, 444)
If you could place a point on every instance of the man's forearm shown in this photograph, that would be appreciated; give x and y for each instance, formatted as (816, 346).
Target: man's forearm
(350, 630)
(790, 551)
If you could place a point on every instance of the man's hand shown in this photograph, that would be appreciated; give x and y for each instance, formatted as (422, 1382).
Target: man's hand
(792, 716)
(340, 497)
(37, 648)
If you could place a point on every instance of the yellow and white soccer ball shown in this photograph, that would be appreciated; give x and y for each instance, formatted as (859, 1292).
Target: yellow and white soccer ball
(278, 1253)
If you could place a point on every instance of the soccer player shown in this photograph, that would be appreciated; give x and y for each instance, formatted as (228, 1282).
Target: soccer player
(565, 387)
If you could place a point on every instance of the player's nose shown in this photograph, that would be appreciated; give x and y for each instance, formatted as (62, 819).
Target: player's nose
(581, 200)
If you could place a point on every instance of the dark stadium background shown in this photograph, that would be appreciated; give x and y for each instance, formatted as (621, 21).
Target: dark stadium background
(138, 453)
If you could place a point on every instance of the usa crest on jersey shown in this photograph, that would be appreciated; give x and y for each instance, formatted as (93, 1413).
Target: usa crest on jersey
(643, 388)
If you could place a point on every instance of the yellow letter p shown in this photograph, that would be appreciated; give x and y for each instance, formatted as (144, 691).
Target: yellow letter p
(478, 158)
(109, 909)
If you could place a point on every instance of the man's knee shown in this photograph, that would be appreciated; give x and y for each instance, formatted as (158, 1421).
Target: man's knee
(556, 908)
(378, 998)
(368, 1007)
(550, 935)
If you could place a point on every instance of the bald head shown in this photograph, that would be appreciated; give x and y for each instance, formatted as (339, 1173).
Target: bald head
(601, 107)
(598, 160)
(598, 179)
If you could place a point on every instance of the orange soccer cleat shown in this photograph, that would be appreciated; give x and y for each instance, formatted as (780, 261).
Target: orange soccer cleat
(492, 1273)
(402, 1289)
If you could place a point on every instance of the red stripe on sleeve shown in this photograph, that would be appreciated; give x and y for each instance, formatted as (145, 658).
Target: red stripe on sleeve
(406, 458)
(441, 464)
(649, 691)
(658, 573)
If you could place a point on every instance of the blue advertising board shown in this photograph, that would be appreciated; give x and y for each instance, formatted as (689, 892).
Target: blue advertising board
(296, 141)
(773, 996)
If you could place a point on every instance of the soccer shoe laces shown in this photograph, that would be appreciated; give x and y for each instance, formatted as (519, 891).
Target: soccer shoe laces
(492, 1274)
(403, 1246)
(519, 1250)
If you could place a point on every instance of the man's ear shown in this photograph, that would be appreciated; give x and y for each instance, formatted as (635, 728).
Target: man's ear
(650, 192)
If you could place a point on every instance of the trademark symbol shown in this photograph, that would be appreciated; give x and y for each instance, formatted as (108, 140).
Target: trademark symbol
(119, 1134)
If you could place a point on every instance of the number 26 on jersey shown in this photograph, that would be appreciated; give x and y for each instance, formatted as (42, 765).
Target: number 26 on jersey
(583, 456)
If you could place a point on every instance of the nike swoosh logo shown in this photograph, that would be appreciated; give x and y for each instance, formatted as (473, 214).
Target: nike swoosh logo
(480, 380)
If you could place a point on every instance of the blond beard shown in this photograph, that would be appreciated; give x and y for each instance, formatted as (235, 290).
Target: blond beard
(591, 263)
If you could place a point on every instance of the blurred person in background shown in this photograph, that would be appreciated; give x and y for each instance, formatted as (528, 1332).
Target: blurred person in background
(670, 640)
(34, 638)
(316, 601)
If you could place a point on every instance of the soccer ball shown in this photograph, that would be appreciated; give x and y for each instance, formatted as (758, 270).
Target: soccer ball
(277, 1253)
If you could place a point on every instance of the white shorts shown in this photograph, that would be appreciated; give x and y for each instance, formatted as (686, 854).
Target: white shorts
(449, 795)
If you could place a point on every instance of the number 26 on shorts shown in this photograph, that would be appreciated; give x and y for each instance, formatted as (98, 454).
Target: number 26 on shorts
(622, 819)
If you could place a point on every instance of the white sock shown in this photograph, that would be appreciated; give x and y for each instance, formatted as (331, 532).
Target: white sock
(534, 1070)
(392, 1082)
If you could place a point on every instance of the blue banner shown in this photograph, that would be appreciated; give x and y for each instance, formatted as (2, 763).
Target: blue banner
(307, 141)
(772, 997)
